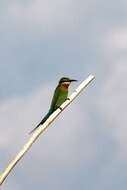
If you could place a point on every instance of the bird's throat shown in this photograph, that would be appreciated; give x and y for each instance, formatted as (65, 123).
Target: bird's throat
(65, 86)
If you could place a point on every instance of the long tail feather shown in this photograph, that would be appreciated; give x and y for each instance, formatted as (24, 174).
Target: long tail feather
(42, 121)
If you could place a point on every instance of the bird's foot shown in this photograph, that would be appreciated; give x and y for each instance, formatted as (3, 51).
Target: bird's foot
(68, 99)
(60, 108)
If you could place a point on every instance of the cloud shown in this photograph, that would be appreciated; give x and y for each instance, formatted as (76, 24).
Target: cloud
(49, 16)
(117, 39)
(113, 105)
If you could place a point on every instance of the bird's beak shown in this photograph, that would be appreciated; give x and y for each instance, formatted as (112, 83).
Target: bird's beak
(73, 80)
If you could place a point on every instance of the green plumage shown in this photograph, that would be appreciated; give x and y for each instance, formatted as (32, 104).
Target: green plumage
(60, 95)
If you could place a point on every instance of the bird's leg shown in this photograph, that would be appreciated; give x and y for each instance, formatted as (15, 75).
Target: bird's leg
(68, 98)
(60, 108)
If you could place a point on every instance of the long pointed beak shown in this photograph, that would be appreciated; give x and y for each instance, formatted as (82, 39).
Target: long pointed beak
(73, 80)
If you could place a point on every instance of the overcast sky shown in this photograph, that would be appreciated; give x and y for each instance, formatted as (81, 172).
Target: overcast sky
(40, 42)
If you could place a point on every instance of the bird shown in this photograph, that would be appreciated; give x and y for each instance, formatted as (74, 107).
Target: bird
(59, 97)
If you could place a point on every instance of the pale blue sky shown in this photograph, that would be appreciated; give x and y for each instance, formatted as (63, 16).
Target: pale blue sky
(42, 40)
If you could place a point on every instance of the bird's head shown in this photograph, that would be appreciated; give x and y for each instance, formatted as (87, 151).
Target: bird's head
(65, 82)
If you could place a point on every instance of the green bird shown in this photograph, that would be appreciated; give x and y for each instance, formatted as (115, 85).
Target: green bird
(59, 97)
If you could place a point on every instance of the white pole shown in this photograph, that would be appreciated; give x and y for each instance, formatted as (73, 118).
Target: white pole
(42, 128)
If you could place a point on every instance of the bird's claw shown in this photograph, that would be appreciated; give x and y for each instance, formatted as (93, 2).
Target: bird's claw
(60, 108)
(68, 99)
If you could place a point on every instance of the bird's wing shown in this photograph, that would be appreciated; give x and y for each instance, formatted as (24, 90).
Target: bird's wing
(54, 99)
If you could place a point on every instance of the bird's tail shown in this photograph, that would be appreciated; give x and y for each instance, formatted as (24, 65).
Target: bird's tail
(42, 121)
